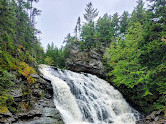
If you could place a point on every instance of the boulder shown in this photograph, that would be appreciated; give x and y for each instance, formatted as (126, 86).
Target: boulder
(156, 117)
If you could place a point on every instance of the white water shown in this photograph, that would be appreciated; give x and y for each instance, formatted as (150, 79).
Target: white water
(87, 99)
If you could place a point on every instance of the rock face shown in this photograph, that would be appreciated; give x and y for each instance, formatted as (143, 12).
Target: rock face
(42, 109)
(89, 61)
(156, 117)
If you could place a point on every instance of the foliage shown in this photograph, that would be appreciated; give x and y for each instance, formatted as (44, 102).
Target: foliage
(26, 71)
(137, 64)
(3, 109)
(138, 15)
(19, 48)
(88, 34)
(124, 22)
(124, 60)
(48, 61)
(55, 56)
(6, 79)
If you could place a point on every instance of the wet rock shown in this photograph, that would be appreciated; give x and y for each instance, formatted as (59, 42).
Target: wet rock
(35, 76)
(156, 117)
(6, 114)
(43, 120)
(46, 86)
(48, 115)
(50, 112)
(110, 122)
(141, 122)
(16, 92)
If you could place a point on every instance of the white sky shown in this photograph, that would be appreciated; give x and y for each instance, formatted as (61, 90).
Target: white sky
(58, 17)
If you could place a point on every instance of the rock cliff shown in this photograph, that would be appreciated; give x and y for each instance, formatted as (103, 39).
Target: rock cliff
(88, 61)
(40, 109)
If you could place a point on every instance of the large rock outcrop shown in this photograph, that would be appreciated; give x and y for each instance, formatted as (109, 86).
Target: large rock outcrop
(156, 117)
(40, 110)
(88, 61)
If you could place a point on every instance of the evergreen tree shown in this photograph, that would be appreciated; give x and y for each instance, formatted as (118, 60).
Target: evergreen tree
(67, 39)
(55, 56)
(7, 32)
(115, 24)
(91, 13)
(33, 11)
(158, 8)
(104, 31)
(87, 35)
(138, 15)
(77, 29)
(124, 58)
(124, 20)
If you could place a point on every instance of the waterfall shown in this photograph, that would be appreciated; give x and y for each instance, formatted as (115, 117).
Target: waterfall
(86, 99)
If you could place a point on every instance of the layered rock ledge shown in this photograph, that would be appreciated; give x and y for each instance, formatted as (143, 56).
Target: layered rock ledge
(88, 61)
(42, 111)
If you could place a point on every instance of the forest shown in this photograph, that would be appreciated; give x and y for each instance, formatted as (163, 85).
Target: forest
(135, 56)
(20, 50)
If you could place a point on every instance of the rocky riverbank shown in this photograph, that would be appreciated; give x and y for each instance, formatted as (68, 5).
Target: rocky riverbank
(156, 117)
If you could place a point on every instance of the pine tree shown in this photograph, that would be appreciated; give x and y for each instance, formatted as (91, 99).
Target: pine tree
(7, 32)
(138, 15)
(124, 20)
(87, 35)
(124, 58)
(77, 29)
(115, 24)
(33, 11)
(104, 31)
(158, 8)
(91, 13)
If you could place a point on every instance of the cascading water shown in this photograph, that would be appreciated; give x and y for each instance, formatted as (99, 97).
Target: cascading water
(85, 98)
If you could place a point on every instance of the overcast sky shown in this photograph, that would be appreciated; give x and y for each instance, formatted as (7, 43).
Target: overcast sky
(58, 17)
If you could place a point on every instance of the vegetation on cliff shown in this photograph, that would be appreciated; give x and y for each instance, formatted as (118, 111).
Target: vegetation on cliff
(138, 62)
(19, 50)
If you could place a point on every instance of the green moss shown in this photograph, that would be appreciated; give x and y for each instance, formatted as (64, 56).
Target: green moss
(3, 109)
